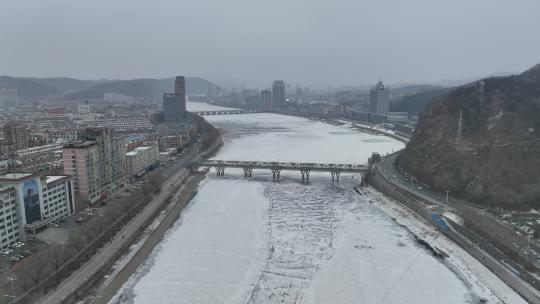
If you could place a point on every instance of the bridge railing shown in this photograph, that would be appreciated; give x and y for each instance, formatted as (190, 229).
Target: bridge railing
(283, 165)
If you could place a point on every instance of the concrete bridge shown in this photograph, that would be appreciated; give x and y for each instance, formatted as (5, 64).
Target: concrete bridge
(226, 112)
(276, 167)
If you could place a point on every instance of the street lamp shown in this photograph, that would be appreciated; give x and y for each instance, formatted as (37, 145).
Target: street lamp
(447, 191)
(12, 295)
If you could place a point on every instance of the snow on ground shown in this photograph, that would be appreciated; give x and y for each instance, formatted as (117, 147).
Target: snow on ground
(484, 282)
(257, 241)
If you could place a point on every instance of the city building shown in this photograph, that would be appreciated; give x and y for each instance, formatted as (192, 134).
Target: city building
(174, 105)
(379, 99)
(116, 97)
(278, 93)
(9, 98)
(142, 158)
(83, 108)
(30, 202)
(174, 108)
(266, 98)
(97, 162)
(16, 135)
(397, 117)
(180, 86)
(126, 123)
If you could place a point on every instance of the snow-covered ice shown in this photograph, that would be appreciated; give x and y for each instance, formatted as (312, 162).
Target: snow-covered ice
(199, 106)
(257, 241)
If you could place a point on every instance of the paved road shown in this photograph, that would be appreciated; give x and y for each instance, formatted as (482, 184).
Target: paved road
(391, 174)
(504, 232)
(107, 253)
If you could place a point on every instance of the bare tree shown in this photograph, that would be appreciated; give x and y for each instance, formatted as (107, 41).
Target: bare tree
(56, 257)
(35, 268)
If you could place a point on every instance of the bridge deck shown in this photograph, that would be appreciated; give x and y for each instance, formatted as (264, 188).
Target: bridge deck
(323, 167)
(226, 112)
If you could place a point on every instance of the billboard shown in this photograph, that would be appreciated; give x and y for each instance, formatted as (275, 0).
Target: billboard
(32, 208)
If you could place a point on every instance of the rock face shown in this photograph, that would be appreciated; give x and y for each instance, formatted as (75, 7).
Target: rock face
(497, 160)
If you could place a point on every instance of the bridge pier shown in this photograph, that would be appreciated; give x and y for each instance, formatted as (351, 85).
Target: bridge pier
(220, 171)
(247, 171)
(335, 175)
(276, 172)
(305, 175)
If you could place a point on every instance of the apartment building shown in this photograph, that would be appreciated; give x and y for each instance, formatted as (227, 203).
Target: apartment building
(29, 202)
(97, 163)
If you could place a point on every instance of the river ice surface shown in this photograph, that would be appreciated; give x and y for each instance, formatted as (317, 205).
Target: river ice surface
(257, 241)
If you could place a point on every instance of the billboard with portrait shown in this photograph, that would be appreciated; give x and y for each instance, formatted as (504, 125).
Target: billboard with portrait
(32, 208)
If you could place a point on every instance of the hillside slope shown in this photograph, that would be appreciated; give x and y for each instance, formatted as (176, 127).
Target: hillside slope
(417, 102)
(497, 160)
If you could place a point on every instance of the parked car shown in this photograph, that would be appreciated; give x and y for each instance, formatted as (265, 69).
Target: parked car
(82, 219)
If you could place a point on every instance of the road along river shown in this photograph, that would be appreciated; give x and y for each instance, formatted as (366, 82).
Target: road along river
(257, 241)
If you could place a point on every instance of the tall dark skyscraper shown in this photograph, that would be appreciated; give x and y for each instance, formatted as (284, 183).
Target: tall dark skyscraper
(278, 93)
(174, 105)
(180, 86)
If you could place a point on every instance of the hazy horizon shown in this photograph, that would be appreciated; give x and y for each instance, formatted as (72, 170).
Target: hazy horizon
(312, 43)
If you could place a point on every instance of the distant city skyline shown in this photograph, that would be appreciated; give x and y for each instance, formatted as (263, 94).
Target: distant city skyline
(316, 43)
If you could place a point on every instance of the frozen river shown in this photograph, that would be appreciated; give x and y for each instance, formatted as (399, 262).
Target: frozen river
(258, 241)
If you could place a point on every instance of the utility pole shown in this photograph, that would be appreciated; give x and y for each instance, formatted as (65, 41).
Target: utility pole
(447, 191)
(460, 125)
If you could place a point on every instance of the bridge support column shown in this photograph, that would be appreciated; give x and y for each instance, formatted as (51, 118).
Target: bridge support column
(220, 171)
(335, 175)
(247, 171)
(305, 175)
(276, 172)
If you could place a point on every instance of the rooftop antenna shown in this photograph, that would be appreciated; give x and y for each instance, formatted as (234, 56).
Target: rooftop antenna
(460, 125)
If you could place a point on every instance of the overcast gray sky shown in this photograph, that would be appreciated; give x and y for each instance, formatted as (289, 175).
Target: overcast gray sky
(311, 42)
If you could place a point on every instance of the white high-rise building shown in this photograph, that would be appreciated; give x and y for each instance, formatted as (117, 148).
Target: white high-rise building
(379, 99)
(30, 202)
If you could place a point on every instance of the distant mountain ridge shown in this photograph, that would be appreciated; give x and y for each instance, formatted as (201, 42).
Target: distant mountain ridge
(35, 89)
(496, 161)
(146, 88)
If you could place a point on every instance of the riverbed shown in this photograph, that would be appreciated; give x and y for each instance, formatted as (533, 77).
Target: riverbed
(258, 241)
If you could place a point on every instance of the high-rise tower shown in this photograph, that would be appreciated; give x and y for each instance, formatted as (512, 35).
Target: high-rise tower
(180, 86)
(174, 105)
(278, 93)
(379, 99)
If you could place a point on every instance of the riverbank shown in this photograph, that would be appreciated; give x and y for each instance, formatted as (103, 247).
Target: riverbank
(107, 292)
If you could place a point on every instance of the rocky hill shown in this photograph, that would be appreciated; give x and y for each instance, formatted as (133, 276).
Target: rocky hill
(497, 160)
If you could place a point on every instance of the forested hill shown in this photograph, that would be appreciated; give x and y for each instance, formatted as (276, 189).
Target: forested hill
(497, 161)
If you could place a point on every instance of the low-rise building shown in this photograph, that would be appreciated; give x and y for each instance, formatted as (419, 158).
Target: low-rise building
(141, 159)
